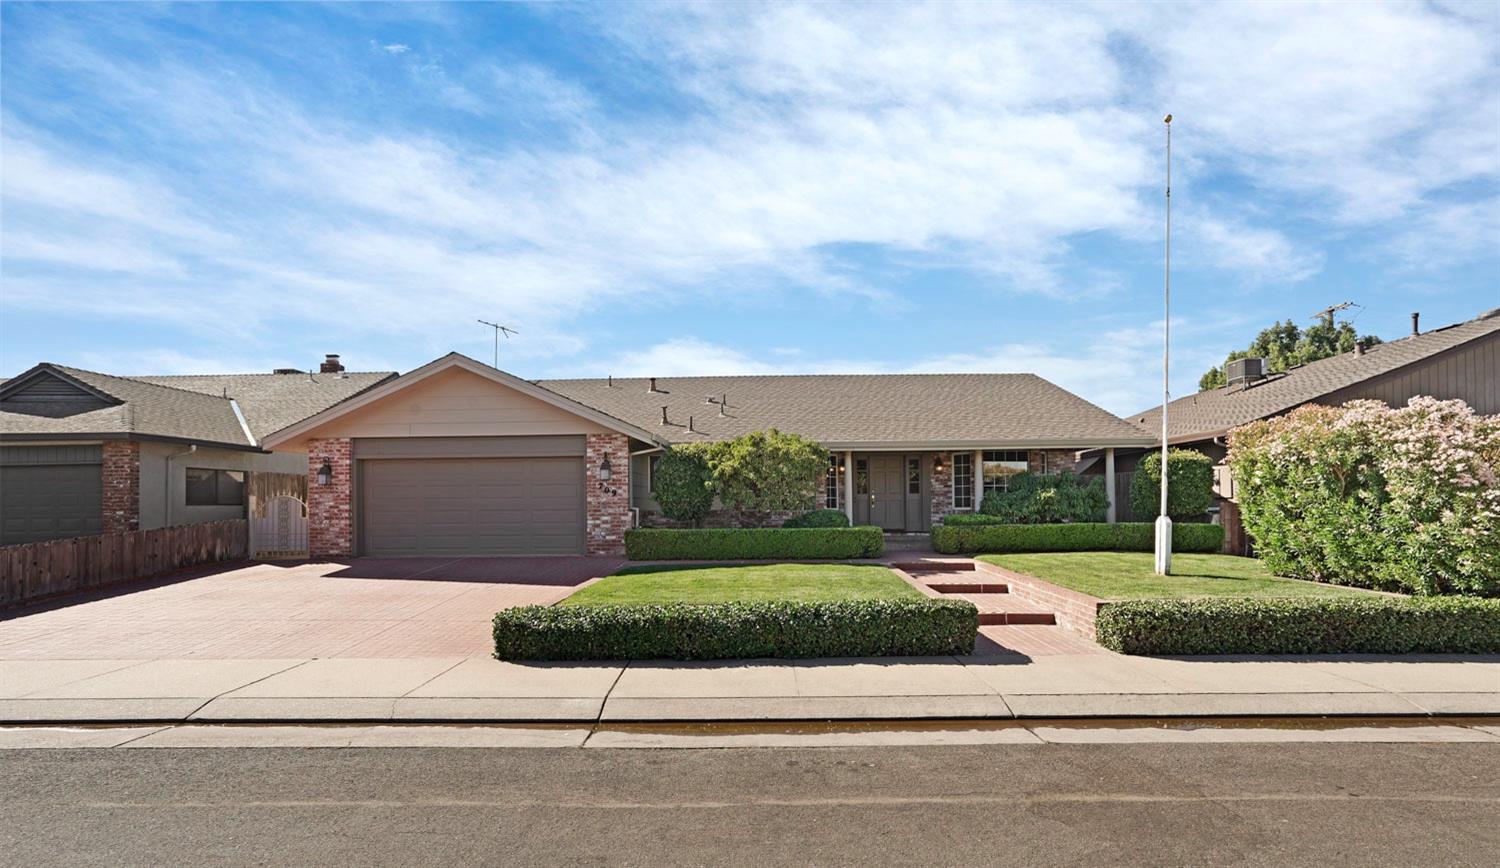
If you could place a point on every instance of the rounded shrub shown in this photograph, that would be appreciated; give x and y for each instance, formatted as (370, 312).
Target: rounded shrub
(1190, 484)
(682, 485)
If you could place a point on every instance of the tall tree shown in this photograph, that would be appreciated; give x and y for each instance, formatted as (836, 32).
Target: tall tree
(1284, 346)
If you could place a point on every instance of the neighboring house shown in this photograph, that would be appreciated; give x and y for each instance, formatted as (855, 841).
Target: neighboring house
(83, 453)
(457, 457)
(1459, 361)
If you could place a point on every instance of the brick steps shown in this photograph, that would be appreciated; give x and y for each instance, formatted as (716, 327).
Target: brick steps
(915, 567)
(997, 606)
(967, 588)
(990, 619)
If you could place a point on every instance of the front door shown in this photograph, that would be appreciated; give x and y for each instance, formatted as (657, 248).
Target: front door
(888, 491)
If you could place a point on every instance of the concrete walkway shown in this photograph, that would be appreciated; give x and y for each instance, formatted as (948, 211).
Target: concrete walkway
(479, 689)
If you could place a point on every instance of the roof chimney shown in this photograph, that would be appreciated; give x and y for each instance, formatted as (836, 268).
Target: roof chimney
(1415, 316)
(331, 365)
(1359, 347)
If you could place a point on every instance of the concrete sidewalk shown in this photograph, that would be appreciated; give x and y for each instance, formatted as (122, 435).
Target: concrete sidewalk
(478, 689)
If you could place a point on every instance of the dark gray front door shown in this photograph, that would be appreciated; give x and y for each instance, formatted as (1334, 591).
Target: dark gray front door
(480, 506)
(888, 491)
(49, 501)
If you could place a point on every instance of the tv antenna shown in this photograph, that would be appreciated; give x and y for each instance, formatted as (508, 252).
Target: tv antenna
(1326, 314)
(499, 330)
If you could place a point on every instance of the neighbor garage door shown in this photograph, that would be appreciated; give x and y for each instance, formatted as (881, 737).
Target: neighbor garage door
(49, 492)
(482, 506)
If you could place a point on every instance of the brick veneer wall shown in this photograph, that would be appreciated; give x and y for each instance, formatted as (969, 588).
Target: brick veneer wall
(1074, 610)
(330, 508)
(121, 477)
(608, 503)
(1051, 460)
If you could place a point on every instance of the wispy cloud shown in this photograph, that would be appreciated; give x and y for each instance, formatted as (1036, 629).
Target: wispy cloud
(756, 152)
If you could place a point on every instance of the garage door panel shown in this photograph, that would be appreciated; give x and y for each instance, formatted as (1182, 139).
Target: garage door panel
(49, 501)
(472, 506)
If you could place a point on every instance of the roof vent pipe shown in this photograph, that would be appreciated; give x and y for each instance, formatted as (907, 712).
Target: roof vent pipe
(664, 415)
(690, 424)
(611, 383)
(652, 387)
(1416, 315)
(723, 402)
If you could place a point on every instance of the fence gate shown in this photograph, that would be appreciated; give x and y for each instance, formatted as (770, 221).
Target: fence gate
(278, 529)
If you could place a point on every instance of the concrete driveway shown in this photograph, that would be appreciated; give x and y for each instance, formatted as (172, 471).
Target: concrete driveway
(364, 607)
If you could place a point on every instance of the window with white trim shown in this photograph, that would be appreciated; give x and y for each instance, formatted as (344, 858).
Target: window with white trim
(833, 485)
(999, 466)
(963, 480)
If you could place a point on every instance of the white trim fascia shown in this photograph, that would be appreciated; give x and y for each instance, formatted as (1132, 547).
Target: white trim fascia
(244, 426)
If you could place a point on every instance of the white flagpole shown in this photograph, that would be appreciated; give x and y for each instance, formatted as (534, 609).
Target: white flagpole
(1164, 521)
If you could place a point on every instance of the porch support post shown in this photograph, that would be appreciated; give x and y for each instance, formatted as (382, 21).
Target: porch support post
(1109, 482)
(849, 485)
(978, 470)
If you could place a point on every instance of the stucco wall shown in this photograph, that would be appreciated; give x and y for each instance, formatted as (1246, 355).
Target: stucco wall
(164, 479)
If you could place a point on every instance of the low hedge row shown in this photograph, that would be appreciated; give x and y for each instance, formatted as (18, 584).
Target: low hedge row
(761, 543)
(1339, 625)
(952, 538)
(681, 631)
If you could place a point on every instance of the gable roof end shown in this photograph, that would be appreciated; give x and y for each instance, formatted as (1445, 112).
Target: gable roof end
(448, 362)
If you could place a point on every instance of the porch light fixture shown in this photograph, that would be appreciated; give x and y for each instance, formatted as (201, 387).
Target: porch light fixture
(937, 464)
(325, 473)
(605, 470)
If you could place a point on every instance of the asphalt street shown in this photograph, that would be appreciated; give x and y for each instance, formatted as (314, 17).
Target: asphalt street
(1171, 804)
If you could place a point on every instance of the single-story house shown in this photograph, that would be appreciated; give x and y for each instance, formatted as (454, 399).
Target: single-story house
(83, 453)
(457, 457)
(1459, 361)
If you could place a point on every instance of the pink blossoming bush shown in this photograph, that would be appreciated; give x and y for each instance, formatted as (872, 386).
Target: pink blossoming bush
(1401, 500)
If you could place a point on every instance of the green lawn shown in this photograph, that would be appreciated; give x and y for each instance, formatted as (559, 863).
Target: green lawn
(1131, 575)
(760, 582)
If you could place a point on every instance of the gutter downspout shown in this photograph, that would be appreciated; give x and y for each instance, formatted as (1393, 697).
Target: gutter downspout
(167, 502)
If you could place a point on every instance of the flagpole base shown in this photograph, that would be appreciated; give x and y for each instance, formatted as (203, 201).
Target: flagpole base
(1163, 546)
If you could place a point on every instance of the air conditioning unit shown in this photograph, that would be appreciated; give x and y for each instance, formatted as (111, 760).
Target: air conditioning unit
(1245, 370)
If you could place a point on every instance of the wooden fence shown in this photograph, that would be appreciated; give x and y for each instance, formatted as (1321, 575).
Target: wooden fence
(42, 569)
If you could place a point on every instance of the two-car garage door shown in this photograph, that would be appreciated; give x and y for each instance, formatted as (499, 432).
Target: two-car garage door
(458, 506)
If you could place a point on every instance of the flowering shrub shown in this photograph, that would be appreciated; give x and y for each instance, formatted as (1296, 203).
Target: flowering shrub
(1403, 500)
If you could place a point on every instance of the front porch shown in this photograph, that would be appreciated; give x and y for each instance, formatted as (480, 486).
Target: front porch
(908, 492)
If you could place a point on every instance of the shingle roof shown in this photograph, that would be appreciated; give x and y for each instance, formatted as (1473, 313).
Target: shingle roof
(143, 409)
(862, 409)
(1214, 411)
(271, 402)
(194, 407)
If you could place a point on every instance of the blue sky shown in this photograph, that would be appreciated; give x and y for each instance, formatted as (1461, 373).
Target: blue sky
(665, 189)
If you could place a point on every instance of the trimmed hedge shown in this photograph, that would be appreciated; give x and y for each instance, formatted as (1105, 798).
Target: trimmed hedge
(980, 537)
(818, 518)
(1336, 625)
(973, 518)
(681, 631)
(759, 543)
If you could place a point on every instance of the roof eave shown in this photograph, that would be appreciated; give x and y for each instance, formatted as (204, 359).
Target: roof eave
(89, 436)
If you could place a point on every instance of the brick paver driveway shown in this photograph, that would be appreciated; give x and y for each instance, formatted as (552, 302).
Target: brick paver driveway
(366, 607)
